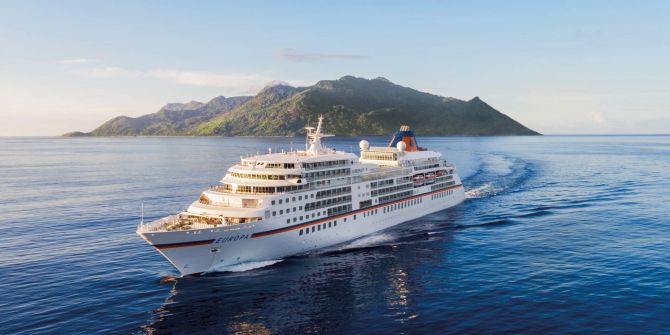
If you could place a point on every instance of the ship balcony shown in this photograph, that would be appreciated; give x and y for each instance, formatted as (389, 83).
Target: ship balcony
(388, 173)
(191, 222)
(199, 208)
(218, 199)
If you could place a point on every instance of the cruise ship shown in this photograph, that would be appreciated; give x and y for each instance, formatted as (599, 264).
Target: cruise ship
(280, 204)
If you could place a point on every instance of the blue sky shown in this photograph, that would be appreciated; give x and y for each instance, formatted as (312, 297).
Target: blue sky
(559, 67)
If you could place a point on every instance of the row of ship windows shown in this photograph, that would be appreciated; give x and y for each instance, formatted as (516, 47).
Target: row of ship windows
(442, 194)
(288, 210)
(402, 204)
(328, 173)
(269, 165)
(318, 227)
(330, 212)
(327, 202)
(381, 156)
(333, 192)
(442, 185)
(306, 217)
(391, 197)
(320, 194)
(385, 209)
(391, 189)
(260, 189)
(263, 176)
(381, 183)
(423, 167)
(299, 198)
(317, 165)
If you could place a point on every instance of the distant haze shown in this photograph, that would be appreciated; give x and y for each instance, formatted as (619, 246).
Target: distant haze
(568, 67)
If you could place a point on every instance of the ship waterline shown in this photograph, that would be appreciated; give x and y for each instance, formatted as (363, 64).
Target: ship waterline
(280, 204)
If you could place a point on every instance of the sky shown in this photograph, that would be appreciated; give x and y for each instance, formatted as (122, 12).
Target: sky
(558, 67)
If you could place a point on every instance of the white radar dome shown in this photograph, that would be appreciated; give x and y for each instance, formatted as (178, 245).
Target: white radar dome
(364, 145)
(401, 146)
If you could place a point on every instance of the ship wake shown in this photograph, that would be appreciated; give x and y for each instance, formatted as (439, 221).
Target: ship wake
(369, 241)
(246, 266)
(483, 191)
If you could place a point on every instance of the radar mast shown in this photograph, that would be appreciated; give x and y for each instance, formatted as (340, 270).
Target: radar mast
(314, 136)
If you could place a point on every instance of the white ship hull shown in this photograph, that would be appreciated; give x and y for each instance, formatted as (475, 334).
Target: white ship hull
(205, 250)
(277, 205)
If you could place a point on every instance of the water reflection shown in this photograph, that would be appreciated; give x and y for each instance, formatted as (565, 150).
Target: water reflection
(320, 293)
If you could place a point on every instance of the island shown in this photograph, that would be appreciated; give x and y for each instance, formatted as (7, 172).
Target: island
(353, 106)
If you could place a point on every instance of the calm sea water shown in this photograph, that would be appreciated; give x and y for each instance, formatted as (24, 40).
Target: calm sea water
(558, 235)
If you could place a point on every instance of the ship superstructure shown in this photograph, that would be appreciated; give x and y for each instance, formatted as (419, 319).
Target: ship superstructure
(280, 204)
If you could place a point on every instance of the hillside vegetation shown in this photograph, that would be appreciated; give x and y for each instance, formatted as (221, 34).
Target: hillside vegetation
(351, 106)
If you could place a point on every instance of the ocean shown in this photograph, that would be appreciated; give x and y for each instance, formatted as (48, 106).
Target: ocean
(559, 234)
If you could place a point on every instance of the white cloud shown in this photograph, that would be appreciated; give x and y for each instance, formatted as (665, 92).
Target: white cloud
(105, 72)
(232, 82)
(85, 68)
(76, 61)
(210, 79)
(293, 55)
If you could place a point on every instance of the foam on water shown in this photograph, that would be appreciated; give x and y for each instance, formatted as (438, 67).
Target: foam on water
(246, 266)
(368, 241)
(483, 191)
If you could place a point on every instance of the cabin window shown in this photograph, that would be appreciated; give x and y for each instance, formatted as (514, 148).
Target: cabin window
(274, 213)
(300, 232)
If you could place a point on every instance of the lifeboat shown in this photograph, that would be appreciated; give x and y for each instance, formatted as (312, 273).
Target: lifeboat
(440, 173)
(418, 179)
(430, 178)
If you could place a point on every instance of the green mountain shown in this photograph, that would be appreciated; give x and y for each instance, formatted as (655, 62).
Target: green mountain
(172, 119)
(351, 106)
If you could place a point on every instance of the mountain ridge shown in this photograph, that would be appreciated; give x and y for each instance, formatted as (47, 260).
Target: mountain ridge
(352, 106)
